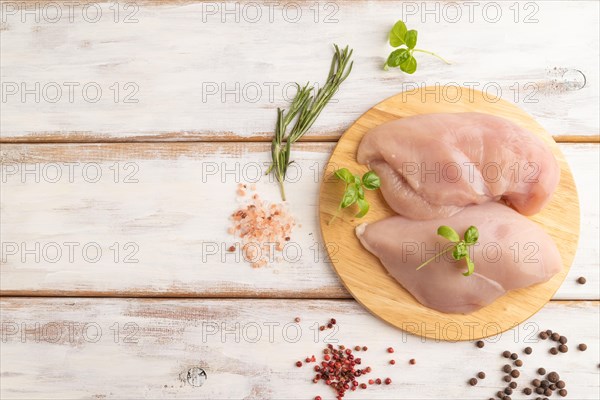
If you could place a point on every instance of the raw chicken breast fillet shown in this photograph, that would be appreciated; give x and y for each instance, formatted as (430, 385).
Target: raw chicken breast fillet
(513, 252)
(433, 165)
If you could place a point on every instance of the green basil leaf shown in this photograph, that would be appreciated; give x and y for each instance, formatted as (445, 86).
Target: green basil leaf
(409, 66)
(471, 235)
(460, 251)
(398, 57)
(350, 196)
(371, 181)
(363, 207)
(357, 180)
(345, 175)
(397, 34)
(448, 233)
(411, 39)
(361, 191)
(470, 266)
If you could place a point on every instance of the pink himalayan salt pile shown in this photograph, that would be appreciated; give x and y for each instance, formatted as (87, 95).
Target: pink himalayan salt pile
(262, 227)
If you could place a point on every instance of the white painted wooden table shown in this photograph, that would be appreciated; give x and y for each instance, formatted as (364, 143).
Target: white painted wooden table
(125, 128)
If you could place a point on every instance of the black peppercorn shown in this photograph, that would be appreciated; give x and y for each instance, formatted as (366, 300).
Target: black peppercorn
(562, 340)
(472, 381)
(555, 336)
(514, 356)
(528, 350)
(563, 348)
(560, 384)
(562, 392)
(581, 280)
(527, 391)
(507, 378)
(582, 347)
(553, 377)
(481, 375)
(536, 382)
(513, 385)
(515, 373)
(543, 335)
(553, 351)
(541, 371)
(507, 368)
(519, 363)
(548, 392)
(480, 343)
(508, 391)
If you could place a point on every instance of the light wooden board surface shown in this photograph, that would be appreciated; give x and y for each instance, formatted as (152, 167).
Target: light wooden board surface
(165, 338)
(363, 274)
(182, 86)
(183, 197)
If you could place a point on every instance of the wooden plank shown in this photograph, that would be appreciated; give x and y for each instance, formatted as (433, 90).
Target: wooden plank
(213, 74)
(172, 202)
(248, 349)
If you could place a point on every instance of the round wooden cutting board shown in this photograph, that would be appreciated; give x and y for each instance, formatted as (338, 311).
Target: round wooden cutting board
(365, 277)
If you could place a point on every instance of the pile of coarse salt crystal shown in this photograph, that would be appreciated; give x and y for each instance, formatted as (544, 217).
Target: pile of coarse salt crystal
(263, 228)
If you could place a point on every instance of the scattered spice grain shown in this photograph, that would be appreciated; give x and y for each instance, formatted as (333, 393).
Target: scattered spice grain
(562, 340)
(518, 363)
(563, 348)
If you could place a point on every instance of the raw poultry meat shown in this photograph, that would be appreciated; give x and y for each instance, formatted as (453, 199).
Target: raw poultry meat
(513, 252)
(433, 165)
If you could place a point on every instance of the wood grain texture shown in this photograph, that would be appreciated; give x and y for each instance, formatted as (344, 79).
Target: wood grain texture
(150, 357)
(184, 194)
(190, 65)
(363, 274)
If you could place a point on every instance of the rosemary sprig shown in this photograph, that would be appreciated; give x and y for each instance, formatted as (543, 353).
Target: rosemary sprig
(305, 107)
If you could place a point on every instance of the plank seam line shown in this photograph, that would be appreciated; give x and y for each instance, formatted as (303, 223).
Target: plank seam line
(586, 140)
(158, 298)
